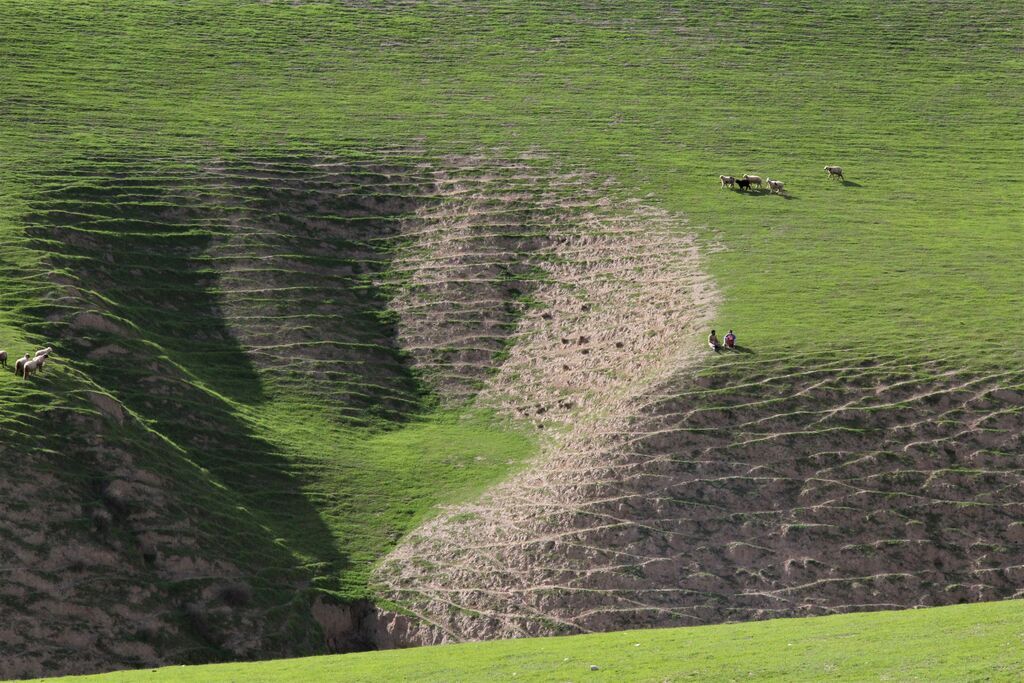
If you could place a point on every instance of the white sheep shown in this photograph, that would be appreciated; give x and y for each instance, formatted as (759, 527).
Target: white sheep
(753, 179)
(775, 186)
(727, 180)
(34, 365)
(835, 172)
(44, 352)
(19, 366)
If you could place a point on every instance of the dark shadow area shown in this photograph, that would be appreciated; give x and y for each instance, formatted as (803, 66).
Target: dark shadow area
(763, 192)
(251, 275)
(131, 245)
(300, 251)
(740, 349)
(850, 183)
(174, 280)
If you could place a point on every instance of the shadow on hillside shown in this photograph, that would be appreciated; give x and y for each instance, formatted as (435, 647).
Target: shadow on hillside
(133, 250)
(741, 349)
(300, 252)
(764, 192)
(148, 258)
(850, 183)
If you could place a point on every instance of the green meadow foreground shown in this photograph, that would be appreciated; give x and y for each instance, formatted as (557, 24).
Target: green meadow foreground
(962, 643)
(383, 324)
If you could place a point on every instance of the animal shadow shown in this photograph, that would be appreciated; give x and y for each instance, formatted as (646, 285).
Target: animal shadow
(762, 192)
(850, 183)
(740, 349)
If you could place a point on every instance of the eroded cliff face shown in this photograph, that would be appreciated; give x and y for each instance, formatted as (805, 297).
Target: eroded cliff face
(361, 625)
(673, 487)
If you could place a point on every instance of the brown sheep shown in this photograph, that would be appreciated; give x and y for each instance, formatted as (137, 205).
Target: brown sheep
(3, 358)
(753, 179)
(835, 172)
(727, 180)
(19, 366)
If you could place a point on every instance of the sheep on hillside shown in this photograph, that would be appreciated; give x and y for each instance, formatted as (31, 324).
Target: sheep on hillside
(835, 172)
(775, 186)
(753, 179)
(44, 352)
(19, 366)
(3, 358)
(34, 365)
(727, 180)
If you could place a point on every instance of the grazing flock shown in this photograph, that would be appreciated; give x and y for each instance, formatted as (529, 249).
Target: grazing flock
(28, 365)
(748, 181)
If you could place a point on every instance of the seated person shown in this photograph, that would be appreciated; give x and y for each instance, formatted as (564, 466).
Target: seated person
(730, 340)
(713, 341)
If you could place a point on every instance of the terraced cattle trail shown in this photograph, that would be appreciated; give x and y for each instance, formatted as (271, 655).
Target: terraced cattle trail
(746, 491)
(672, 487)
(513, 275)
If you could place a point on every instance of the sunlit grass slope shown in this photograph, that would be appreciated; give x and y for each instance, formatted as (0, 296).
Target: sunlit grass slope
(962, 643)
(918, 102)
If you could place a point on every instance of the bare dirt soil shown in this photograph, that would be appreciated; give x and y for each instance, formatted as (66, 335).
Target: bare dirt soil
(747, 492)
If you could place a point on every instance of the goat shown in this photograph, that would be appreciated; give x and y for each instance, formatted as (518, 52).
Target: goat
(727, 180)
(775, 186)
(753, 179)
(835, 172)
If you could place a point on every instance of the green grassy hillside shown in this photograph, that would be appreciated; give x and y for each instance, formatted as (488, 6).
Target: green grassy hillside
(916, 102)
(964, 643)
(202, 204)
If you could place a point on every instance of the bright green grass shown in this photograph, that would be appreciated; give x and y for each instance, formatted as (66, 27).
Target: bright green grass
(371, 488)
(919, 102)
(962, 643)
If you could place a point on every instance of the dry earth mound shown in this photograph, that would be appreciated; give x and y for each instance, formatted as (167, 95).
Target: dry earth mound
(747, 492)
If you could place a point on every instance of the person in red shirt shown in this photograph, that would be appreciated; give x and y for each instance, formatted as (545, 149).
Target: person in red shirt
(730, 340)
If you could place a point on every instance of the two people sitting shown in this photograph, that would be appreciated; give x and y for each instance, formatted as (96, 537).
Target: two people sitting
(716, 346)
